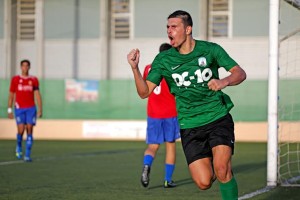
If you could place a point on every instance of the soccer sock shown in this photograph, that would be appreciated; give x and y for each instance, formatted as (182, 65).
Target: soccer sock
(148, 159)
(29, 143)
(229, 190)
(169, 169)
(19, 142)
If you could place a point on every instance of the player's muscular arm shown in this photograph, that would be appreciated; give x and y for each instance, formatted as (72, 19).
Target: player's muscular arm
(10, 104)
(39, 103)
(144, 88)
(237, 76)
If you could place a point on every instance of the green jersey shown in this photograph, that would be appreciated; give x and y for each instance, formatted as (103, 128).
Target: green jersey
(187, 76)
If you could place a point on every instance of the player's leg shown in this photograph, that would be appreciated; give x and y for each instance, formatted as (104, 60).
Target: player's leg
(222, 166)
(149, 156)
(202, 173)
(21, 129)
(150, 153)
(20, 121)
(195, 143)
(222, 143)
(29, 142)
(171, 134)
(170, 164)
(30, 123)
(153, 140)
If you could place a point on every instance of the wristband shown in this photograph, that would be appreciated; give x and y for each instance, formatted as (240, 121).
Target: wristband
(9, 110)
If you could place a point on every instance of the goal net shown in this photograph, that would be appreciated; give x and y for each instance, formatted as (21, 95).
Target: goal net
(289, 94)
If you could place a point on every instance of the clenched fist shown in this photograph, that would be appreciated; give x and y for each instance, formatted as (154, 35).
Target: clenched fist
(133, 58)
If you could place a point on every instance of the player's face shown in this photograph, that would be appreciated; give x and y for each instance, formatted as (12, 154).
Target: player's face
(25, 68)
(177, 32)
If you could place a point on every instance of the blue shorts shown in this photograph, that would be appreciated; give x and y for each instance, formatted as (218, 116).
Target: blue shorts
(25, 115)
(160, 130)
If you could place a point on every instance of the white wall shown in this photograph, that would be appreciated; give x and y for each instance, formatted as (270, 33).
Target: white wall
(3, 69)
(250, 53)
(59, 59)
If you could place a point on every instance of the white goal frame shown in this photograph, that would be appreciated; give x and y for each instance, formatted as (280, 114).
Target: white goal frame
(273, 87)
(272, 159)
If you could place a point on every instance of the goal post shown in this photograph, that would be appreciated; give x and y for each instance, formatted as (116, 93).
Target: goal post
(283, 162)
(273, 94)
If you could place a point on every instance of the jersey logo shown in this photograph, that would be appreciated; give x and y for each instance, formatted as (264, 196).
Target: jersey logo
(185, 79)
(202, 62)
(173, 68)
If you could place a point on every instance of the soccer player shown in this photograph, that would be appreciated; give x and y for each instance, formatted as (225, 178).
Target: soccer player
(206, 127)
(24, 90)
(162, 126)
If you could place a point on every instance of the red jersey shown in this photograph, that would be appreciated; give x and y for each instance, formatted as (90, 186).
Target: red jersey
(161, 103)
(24, 88)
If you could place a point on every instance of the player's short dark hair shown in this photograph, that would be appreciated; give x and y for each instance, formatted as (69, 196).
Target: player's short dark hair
(25, 61)
(164, 47)
(185, 16)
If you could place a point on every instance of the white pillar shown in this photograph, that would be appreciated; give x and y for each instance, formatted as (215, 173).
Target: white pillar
(39, 37)
(7, 40)
(273, 94)
(104, 40)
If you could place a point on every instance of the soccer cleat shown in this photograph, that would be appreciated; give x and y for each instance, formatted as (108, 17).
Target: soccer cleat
(27, 159)
(169, 184)
(19, 153)
(145, 175)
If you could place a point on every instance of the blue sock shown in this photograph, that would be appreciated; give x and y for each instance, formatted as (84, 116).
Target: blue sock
(148, 159)
(29, 143)
(19, 142)
(169, 169)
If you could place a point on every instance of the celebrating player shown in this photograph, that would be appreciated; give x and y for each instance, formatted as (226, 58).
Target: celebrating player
(24, 89)
(191, 70)
(162, 126)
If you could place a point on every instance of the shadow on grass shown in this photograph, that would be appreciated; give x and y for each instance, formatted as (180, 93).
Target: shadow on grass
(243, 168)
(249, 167)
(178, 183)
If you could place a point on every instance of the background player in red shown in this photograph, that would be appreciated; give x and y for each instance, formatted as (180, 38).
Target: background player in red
(162, 126)
(24, 90)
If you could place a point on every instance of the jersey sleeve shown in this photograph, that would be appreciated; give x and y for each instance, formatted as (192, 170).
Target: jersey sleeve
(223, 59)
(12, 87)
(155, 74)
(35, 84)
(146, 71)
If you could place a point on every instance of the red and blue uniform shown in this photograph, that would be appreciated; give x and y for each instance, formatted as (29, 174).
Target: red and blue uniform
(162, 123)
(23, 87)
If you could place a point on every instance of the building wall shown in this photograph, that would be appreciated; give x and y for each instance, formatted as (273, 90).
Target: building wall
(60, 19)
(250, 18)
(64, 48)
(1, 18)
(150, 17)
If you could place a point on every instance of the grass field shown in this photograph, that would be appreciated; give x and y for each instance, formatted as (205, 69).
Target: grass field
(111, 170)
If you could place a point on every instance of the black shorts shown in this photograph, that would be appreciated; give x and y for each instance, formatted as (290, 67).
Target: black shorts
(198, 142)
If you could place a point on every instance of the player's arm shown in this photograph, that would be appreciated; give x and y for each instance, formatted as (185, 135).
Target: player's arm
(144, 88)
(38, 98)
(10, 104)
(237, 75)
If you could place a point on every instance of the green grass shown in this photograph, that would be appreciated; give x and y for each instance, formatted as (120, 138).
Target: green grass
(111, 170)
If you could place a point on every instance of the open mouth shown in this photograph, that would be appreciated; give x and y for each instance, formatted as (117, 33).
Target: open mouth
(171, 40)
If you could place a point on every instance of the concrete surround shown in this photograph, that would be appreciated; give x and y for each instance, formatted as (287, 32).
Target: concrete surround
(130, 130)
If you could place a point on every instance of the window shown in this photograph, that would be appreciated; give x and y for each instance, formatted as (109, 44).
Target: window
(120, 19)
(219, 18)
(26, 19)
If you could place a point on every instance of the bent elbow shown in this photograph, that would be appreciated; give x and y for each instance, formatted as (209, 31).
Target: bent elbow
(143, 95)
(244, 76)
